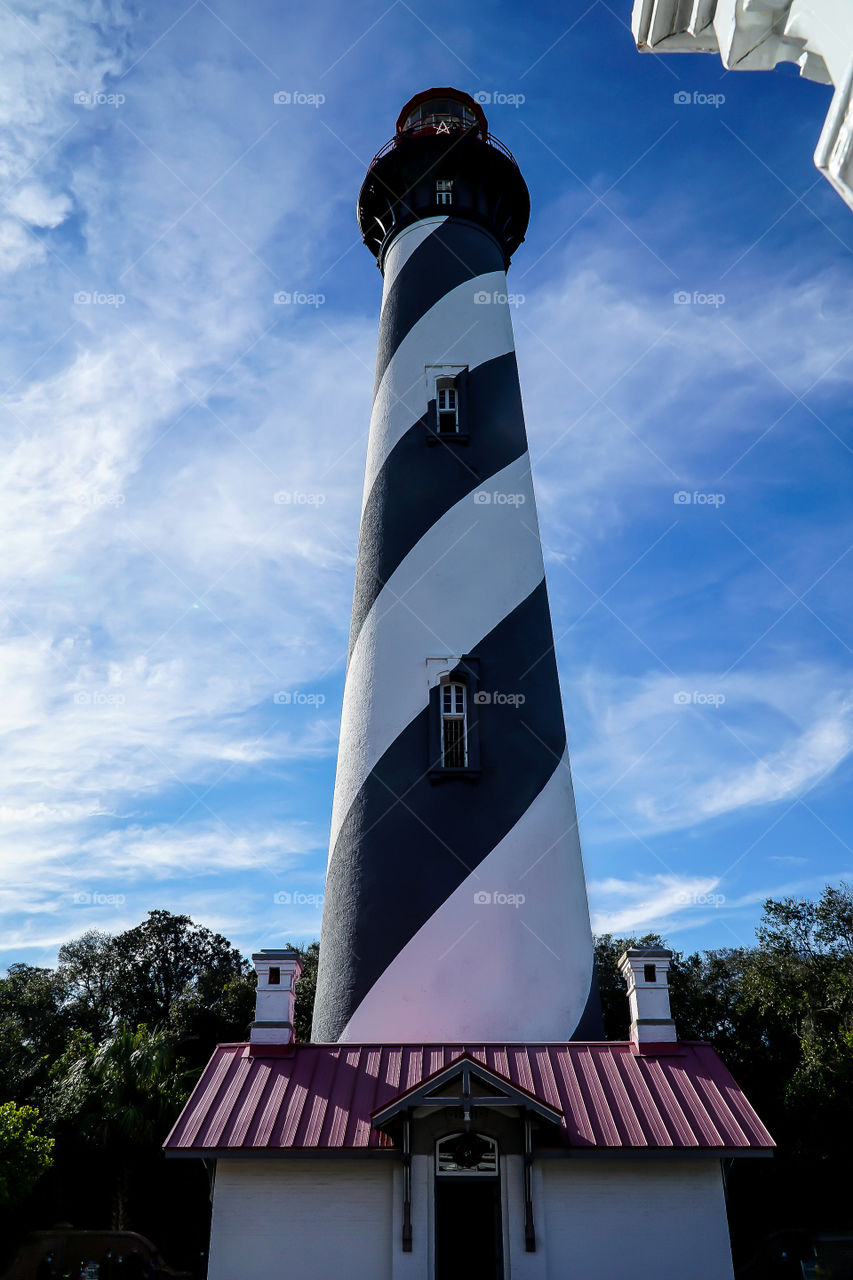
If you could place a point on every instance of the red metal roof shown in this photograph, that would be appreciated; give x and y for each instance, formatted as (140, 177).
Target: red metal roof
(322, 1096)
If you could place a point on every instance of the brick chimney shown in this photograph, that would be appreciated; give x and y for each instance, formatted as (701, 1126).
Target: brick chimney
(646, 974)
(278, 972)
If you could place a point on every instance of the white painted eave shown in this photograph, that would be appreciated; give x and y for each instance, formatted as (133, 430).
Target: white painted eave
(756, 35)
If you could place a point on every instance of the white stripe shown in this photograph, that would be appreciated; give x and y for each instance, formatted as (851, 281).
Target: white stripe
(404, 246)
(455, 330)
(480, 971)
(469, 570)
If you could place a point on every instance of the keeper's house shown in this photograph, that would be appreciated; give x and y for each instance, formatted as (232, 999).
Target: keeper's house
(546, 1161)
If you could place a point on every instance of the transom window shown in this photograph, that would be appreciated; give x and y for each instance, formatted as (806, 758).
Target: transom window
(444, 191)
(454, 727)
(447, 405)
(466, 1153)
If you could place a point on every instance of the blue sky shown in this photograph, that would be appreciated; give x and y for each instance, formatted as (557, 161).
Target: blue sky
(156, 596)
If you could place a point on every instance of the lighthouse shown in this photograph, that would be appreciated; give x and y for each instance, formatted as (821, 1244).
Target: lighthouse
(455, 903)
(455, 1112)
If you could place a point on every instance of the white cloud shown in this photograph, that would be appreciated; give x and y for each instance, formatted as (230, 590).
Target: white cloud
(673, 752)
(17, 248)
(792, 770)
(34, 204)
(652, 904)
(685, 389)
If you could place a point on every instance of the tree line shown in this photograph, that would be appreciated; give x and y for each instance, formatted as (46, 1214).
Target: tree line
(100, 1053)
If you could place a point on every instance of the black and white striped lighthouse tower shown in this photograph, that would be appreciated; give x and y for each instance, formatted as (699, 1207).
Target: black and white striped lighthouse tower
(455, 906)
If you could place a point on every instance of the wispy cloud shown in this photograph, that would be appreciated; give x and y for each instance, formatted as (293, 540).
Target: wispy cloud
(750, 740)
(156, 401)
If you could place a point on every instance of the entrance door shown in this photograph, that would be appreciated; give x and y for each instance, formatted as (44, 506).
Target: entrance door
(468, 1236)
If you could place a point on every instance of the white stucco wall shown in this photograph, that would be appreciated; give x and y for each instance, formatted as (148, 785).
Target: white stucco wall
(612, 1219)
(644, 1219)
(317, 1219)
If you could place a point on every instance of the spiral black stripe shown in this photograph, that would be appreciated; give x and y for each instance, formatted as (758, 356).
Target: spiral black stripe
(419, 482)
(405, 837)
(591, 1024)
(453, 253)
(406, 845)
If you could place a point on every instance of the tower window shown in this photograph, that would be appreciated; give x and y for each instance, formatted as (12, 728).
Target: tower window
(448, 415)
(275, 975)
(649, 973)
(444, 191)
(454, 726)
(447, 406)
(454, 719)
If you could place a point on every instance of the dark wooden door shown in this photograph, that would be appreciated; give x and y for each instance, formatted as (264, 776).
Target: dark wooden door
(468, 1235)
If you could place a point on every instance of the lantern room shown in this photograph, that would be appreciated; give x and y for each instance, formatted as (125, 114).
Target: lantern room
(443, 162)
(442, 111)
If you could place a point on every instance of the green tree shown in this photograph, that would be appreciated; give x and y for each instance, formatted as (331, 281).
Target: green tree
(34, 1025)
(801, 978)
(166, 971)
(167, 959)
(122, 1096)
(306, 989)
(89, 967)
(25, 1152)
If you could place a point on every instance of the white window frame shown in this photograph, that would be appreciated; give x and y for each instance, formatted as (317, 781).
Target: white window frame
(444, 191)
(446, 387)
(459, 695)
(433, 374)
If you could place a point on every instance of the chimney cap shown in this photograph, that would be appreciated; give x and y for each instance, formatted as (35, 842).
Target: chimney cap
(278, 970)
(645, 953)
(652, 1026)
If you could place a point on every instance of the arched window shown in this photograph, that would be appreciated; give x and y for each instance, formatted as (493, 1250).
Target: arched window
(466, 1153)
(447, 405)
(454, 725)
